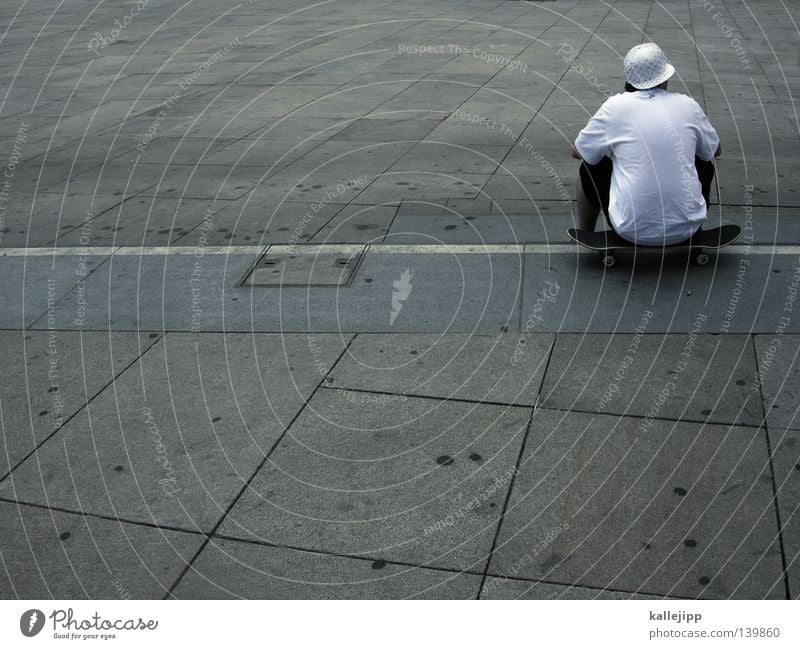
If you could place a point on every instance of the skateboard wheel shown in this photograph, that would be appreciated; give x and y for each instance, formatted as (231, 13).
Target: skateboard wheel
(701, 259)
(609, 260)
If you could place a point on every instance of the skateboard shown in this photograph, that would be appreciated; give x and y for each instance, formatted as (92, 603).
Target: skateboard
(608, 242)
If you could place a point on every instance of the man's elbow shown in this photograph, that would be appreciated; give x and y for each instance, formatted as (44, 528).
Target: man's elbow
(574, 153)
(718, 152)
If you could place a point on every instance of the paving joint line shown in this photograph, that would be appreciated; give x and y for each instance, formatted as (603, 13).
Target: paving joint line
(773, 481)
(586, 586)
(408, 564)
(103, 517)
(418, 566)
(226, 537)
(243, 489)
(391, 222)
(345, 555)
(429, 397)
(754, 427)
(501, 518)
(102, 389)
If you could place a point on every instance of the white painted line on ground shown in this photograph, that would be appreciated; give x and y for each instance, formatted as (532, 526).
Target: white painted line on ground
(381, 248)
(191, 250)
(448, 249)
(58, 252)
(67, 251)
(316, 248)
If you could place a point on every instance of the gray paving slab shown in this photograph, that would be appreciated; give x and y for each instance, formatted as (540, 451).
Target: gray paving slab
(498, 369)
(478, 206)
(155, 291)
(432, 156)
(35, 284)
(142, 220)
(445, 301)
(357, 224)
(119, 177)
(545, 176)
(54, 166)
(492, 105)
(347, 159)
(324, 181)
(274, 103)
(692, 377)
(537, 209)
(765, 225)
(504, 588)
(514, 184)
(51, 554)
(178, 150)
(672, 510)
(735, 178)
(410, 128)
(763, 155)
(295, 128)
(210, 182)
(395, 186)
(407, 63)
(257, 218)
(427, 99)
(150, 288)
(737, 293)
(467, 79)
(37, 219)
(269, 153)
(59, 372)
(137, 86)
(461, 291)
(779, 372)
(417, 488)
(231, 569)
(144, 451)
(453, 227)
(461, 131)
(349, 103)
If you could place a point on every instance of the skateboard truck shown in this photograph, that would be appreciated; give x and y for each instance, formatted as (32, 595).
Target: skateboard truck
(699, 257)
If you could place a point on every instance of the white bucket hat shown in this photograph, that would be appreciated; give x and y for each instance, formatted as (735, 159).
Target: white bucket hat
(646, 66)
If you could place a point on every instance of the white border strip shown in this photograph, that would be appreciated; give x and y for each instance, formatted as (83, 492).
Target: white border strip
(58, 252)
(450, 249)
(191, 250)
(382, 248)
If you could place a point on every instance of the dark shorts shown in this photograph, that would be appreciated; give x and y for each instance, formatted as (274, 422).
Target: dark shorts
(596, 182)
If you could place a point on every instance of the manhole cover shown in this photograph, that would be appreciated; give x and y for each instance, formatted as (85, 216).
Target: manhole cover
(324, 265)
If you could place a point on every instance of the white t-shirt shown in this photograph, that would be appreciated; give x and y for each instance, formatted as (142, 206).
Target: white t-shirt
(652, 137)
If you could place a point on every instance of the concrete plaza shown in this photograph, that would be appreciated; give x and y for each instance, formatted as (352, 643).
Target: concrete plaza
(289, 309)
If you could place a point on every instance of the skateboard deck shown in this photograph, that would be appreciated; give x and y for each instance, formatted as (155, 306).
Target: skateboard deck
(608, 242)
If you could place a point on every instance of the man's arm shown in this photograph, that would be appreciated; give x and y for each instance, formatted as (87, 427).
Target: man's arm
(591, 145)
(709, 146)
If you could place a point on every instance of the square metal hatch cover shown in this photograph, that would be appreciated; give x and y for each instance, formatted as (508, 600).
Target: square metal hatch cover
(306, 265)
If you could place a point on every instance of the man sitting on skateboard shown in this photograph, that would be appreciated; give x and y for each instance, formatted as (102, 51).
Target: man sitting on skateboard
(647, 157)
